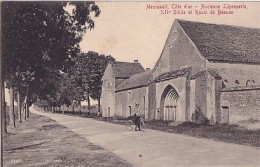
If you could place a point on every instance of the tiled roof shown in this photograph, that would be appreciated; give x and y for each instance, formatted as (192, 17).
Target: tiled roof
(224, 43)
(137, 80)
(241, 88)
(211, 72)
(126, 69)
(173, 74)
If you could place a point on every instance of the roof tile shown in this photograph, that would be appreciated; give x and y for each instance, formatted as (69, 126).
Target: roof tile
(137, 80)
(126, 69)
(172, 74)
(224, 43)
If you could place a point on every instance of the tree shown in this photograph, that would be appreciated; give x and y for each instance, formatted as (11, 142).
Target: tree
(86, 75)
(3, 107)
(65, 90)
(41, 38)
(98, 68)
(77, 74)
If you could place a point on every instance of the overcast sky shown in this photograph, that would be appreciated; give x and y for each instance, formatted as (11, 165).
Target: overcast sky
(127, 31)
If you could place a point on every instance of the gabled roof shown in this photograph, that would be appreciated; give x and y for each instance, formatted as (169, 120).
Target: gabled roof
(211, 72)
(126, 69)
(224, 43)
(173, 74)
(136, 81)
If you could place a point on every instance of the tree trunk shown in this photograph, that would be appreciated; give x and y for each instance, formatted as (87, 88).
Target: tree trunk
(79, 102)
(52, 109)
(3, 105)
(79, 105)
(27, 111)
(63, 109)
(73, 107)
(26, 107)
(24, 111)
(99, 104)
(11, 109)
(2, 88)
(19, 107)
(88, 98)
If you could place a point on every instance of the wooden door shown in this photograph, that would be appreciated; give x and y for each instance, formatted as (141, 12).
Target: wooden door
(225, 114)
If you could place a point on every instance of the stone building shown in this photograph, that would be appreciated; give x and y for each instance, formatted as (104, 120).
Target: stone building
(211, 67)
(114, 75)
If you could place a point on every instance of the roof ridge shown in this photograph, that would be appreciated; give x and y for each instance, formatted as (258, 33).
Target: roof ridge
(237, 26)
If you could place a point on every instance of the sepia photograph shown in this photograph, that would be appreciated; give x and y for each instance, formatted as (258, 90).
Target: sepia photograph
(130, 84)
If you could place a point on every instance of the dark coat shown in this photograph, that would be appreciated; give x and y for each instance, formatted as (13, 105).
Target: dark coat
(136, 119)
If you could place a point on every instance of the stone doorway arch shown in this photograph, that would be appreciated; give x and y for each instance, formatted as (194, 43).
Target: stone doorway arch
(169, 104)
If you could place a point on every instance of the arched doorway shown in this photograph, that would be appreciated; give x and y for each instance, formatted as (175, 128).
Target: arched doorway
(169, 104)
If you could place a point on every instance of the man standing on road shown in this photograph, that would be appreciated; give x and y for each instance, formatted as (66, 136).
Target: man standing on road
(137, 121)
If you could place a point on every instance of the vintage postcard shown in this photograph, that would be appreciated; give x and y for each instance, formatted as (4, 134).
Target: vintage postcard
(145, 84)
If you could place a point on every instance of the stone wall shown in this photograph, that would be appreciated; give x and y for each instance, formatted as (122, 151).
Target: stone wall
(135, 100)
(201, 94)
(122, 103)
(192, 97)
(179, 51)
(204, 94)
(235, 75)
(179, 84)
(243, 73)
(108, 93)
(243, 105)
(152, 101)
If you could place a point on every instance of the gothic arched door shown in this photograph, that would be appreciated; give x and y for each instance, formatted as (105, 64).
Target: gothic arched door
(169, 105)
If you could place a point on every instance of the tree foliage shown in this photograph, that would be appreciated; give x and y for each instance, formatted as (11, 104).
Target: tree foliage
(40, 39)
(85, 76)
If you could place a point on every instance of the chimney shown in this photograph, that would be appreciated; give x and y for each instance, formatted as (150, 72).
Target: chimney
(147, 69)
(136, 61)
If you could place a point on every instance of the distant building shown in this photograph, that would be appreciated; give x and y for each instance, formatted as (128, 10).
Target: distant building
(114, 75)
(212, 67)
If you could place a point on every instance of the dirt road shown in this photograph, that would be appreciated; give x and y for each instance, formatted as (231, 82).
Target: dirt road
(154, 148)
